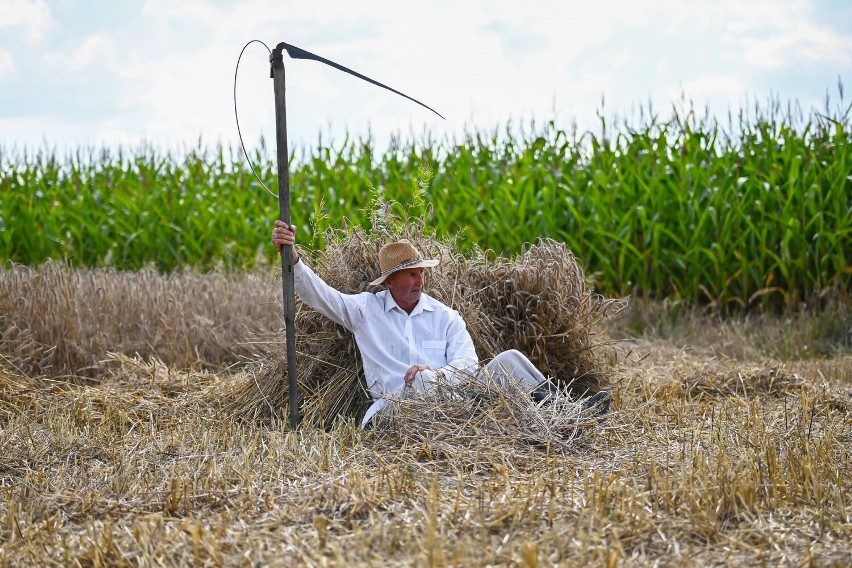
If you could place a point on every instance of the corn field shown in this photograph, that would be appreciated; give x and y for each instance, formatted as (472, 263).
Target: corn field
(757, 211)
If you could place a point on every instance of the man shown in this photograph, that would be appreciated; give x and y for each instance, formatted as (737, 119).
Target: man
(408, 339)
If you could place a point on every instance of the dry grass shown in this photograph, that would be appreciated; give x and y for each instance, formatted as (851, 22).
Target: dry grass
(720, 450)
(139, 470)
(60, 322)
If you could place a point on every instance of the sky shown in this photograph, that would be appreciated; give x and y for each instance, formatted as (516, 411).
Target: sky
(161, 72)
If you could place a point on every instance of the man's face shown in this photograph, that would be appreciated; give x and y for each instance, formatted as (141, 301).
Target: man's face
(406, 286)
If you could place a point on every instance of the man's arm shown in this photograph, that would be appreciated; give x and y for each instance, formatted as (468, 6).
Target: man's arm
(341, 308)
(461, 354)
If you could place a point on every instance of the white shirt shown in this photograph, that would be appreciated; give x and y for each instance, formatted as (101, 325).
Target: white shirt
(389, 339)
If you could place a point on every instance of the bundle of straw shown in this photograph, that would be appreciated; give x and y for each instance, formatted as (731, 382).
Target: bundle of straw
(456, 417)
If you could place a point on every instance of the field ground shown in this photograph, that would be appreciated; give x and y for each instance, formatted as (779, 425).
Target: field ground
(728, 444)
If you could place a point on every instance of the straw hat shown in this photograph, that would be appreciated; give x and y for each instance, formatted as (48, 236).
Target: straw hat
(400, 255)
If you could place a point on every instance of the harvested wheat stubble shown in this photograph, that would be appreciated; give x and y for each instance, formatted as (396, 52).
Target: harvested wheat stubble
(537, 302)
(138, 469)
(724, 378)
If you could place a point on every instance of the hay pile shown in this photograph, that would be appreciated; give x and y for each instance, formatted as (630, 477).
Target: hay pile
(537, 302)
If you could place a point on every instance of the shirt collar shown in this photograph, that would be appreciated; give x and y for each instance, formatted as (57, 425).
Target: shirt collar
(424, 305)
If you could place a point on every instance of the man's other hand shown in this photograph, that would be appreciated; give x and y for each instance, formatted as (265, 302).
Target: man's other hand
(411, 373)
(284, 234)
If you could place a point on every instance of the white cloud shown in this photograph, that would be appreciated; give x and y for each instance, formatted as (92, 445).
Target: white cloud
(91, 51)
(802, 43)
(87, 58)
(719, 91)
(477, 62)
(32, 15)
(7, 63)
(451, 58)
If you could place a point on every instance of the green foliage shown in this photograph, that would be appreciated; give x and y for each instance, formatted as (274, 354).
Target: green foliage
(393, 217)
(758, 213)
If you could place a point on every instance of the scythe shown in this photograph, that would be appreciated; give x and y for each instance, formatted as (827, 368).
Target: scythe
(276, 60)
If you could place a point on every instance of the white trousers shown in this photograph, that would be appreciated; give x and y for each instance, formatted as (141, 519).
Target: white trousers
(511, 364)
(514, 364)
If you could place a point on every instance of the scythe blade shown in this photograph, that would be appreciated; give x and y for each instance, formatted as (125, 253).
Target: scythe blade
(299, 53)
